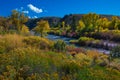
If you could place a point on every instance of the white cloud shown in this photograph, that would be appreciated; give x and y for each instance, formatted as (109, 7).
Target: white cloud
(34, 8)
(35, 17)
(25, 12)
(29, 17)
(21, 9)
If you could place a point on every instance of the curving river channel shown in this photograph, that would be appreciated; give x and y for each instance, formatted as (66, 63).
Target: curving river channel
(66, 39)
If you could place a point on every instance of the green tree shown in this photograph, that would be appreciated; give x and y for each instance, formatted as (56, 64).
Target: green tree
(24, 30)
(114, 23)
(4, 24)
(90, 21)
(80, 27)
(102, 23)
(22, 20)
(18, 19)
(42, 27)
(68, 27)
(15, 19)
(63, 25)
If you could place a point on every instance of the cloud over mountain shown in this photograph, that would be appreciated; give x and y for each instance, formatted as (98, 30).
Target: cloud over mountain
(34, 8)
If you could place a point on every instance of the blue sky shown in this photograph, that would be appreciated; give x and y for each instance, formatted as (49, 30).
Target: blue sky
(39, 8)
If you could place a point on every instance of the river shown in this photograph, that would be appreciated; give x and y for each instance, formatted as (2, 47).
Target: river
(54, 38)
(66, 39)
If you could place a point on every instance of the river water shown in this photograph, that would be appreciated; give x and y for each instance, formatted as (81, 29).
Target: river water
(66, 39)
(54, 38)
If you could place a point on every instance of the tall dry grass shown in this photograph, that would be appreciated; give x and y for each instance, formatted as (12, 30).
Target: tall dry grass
(11, 41)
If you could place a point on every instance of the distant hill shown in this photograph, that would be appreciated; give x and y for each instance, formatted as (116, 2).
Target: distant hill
(54, 21)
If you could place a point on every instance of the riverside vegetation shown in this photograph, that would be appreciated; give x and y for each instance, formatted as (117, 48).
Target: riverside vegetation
(27, 57)
(91, 26)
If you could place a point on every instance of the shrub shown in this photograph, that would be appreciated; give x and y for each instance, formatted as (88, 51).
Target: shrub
(29, 62)
(39, 42)
(74, 50)
(115, 52)
(60, 45)
(73, 41)
(91, 42)
(83, 59)
(58, 32)
(113, 35)
(25, 62)
(83, 40)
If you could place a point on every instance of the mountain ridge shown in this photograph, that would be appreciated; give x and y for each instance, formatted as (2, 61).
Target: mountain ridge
(54, 21)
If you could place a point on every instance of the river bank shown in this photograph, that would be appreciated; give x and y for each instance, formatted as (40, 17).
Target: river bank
(67, 40)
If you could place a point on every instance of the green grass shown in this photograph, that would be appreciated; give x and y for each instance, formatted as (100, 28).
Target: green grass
(26, 62)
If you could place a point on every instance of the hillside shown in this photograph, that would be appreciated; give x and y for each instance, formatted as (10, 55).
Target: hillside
(54, 21)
